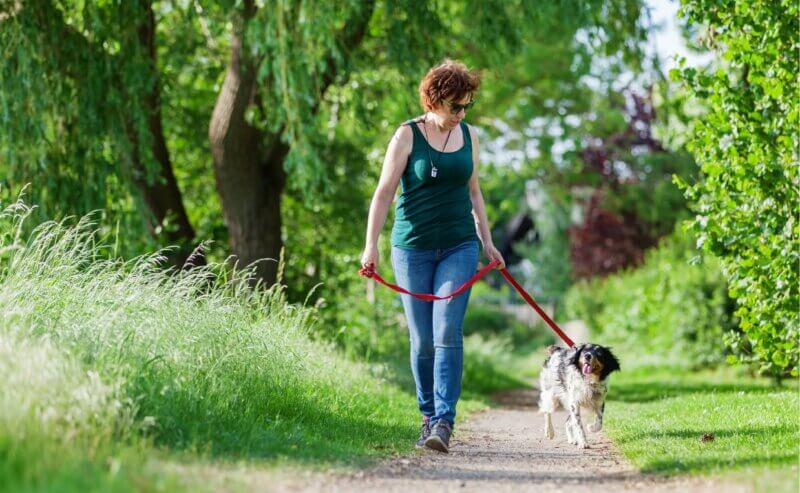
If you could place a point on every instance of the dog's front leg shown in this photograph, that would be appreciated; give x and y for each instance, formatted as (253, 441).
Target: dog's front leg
(577, 426)
(598, 422)
(569, 432)
(548, 426)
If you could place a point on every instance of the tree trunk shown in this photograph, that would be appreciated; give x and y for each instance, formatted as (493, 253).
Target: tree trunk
(248, 166)
(248, 163)
(162, 196)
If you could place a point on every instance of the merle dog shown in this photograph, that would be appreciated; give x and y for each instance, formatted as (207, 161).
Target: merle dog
(577, 378)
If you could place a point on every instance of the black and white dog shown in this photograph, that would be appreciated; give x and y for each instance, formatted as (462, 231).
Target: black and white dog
(577, 378)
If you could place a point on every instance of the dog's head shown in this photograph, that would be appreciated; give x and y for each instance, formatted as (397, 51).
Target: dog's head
(593, 359)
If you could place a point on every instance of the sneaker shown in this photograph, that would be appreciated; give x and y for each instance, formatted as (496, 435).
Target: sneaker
(424, 433)
(439, 438)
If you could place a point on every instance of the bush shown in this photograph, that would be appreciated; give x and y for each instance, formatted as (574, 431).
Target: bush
(673, 310)
(747, 202)
(489, 365)
(490, 321)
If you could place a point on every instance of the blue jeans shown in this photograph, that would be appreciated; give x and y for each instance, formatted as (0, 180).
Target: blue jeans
(437, 351)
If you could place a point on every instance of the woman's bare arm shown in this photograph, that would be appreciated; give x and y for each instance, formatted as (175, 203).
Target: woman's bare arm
(394, 164)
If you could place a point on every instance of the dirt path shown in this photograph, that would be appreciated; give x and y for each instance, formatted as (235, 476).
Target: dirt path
(503, 449)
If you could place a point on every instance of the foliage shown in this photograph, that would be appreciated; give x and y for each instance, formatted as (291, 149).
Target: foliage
(337, 133)
(746, 204)
(552, 270)
(81, 74)
(632, 201)
(489, 365)
(74, 97)
(367, 328)
(672, 310)
(489, 321)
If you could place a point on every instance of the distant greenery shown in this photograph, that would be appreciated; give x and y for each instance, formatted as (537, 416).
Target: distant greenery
(658, 420)
(672, 310)
(746, 144)
(489, 320)
(492, 365)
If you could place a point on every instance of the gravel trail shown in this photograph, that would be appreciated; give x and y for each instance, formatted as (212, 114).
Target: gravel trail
(503, 450)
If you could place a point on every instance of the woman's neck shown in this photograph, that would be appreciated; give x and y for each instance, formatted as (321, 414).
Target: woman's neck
(436, 122)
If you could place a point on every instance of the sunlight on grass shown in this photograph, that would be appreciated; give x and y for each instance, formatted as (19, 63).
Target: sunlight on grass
(709, 422)
(104, 363)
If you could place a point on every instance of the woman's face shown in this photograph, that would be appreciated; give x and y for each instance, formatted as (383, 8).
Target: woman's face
(450, 113)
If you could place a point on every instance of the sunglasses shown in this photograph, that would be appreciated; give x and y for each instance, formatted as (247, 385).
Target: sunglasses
(455, 107)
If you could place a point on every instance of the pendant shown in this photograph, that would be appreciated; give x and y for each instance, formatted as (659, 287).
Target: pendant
(434, 171)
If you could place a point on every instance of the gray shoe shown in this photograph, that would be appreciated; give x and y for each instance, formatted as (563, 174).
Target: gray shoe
(424, 433)
(439, 438)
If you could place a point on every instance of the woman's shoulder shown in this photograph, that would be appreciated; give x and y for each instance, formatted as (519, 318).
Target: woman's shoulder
(403, 137)
(473, 130)
(405, 130)
(416, 121)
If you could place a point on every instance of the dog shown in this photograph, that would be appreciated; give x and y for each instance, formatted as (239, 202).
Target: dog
(576, 378)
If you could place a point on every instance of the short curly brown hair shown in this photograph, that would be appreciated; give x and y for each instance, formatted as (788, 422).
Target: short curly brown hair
(448, 81)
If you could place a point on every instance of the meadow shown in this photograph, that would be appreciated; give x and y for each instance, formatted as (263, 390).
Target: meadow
(114, 369)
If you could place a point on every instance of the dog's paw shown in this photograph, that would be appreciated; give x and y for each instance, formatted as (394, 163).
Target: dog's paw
(583, 445)
(595, 427)
(549, 433)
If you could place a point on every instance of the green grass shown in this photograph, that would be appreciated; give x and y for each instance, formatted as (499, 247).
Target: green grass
(113, 374)
(657, 419)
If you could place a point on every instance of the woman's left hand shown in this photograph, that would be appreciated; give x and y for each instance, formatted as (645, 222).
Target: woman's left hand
(493, 254)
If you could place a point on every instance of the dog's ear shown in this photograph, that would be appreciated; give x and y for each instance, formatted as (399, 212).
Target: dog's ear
(573, 357)
(610, 363)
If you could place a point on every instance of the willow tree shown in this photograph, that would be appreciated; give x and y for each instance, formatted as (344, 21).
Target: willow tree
(89, 81)
(80, 109)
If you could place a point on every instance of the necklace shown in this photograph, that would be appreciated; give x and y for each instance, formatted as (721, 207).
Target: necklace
(434, 170)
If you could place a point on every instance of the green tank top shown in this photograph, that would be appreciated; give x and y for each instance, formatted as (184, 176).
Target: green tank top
(434, 209)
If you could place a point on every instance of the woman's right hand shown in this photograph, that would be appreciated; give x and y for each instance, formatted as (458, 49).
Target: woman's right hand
(370, 257)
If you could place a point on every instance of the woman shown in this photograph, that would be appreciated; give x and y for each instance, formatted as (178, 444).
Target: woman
(440, 216)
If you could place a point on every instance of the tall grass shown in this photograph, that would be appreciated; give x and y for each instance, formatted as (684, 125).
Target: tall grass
(104, 361)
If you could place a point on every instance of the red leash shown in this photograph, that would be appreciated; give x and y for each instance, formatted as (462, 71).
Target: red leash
(368, 272)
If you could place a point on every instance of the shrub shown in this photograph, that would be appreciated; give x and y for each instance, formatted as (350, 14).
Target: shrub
(747, 202)
(673, 310)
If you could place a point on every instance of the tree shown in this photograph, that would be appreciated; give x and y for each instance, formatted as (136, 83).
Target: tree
(92, 78)
(747, 201)
(68, 96)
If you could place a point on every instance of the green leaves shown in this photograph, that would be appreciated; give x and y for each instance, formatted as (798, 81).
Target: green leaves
(749, 194)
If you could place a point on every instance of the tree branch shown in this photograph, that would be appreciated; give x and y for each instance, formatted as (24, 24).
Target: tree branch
(71, 52)
(347, 39)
